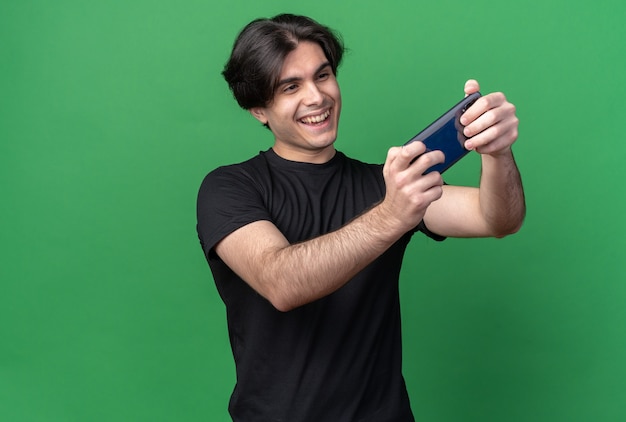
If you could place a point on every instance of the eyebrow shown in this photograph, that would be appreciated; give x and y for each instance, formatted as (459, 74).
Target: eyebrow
(297, 78)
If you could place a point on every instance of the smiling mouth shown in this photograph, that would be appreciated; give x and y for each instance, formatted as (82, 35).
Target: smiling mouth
(314, 120)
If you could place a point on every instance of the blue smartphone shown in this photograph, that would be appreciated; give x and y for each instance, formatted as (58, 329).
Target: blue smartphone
(446, 134)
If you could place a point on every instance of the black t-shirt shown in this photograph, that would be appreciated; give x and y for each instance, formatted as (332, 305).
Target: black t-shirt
(338, 358)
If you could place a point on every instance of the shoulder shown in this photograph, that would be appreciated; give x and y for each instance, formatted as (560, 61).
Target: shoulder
(254, 164)
(230, 197)
(232, 175)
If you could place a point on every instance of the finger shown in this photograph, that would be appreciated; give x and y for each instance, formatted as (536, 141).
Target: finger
(501, 143)
(481, 106)
(429, 186)
(471, 86)
(412, 155)
(484, 121)
(494, 138)
(399, 158)
(409, 152)
(427, 160)
(392, 154)
(504, 113)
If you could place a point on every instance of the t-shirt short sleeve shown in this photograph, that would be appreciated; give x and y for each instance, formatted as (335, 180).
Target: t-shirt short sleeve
(229, 198)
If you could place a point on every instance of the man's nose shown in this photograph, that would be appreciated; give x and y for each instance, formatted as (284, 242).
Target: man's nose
(313, 94)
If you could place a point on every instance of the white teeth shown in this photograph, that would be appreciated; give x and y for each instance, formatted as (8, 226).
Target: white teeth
(316, 119)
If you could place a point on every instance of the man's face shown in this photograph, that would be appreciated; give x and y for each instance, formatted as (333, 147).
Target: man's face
(304, 113)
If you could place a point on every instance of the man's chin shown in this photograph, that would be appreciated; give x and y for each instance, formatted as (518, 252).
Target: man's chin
(322, 137)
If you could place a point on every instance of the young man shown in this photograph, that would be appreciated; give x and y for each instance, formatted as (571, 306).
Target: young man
(306, 244)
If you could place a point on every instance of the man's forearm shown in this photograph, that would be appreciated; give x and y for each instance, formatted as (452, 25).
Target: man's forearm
(306, 271)
(501, 194)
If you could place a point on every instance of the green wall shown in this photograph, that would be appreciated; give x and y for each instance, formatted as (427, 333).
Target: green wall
(112, 112)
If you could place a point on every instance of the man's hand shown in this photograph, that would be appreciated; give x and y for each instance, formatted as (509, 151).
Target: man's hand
(497, 208)
(408, 191)
(490, 122)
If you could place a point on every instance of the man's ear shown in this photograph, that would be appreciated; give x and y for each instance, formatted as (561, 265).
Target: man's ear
(259, 114)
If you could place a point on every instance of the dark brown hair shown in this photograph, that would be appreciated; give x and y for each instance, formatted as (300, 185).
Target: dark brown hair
(254, 66)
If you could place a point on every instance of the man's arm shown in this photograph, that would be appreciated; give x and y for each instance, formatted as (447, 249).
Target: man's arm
(291, 275)
(497, 208)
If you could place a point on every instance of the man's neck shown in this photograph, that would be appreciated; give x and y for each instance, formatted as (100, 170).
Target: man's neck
(320, 156)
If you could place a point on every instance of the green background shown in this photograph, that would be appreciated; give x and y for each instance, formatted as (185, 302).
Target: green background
(112, 112)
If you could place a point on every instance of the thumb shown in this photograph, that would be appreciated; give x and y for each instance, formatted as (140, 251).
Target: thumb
(471, 86)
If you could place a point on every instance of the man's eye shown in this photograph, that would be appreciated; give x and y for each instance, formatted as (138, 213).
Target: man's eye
(323, 76)
(290, 88)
